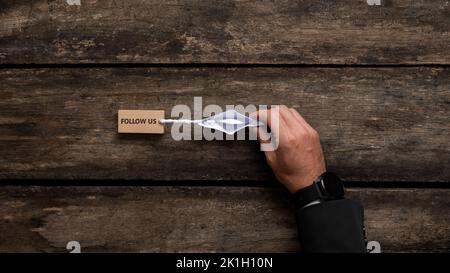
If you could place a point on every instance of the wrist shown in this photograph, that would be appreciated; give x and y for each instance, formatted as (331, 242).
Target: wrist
(306, 181)
(326, 187)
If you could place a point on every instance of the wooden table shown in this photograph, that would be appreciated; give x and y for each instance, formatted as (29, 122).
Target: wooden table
(373, 80)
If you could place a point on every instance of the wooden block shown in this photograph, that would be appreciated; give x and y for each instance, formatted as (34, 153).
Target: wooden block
(140, 121)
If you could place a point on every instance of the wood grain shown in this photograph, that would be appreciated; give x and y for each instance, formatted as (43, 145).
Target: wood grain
(215, 31)
(204, 219)
(376, 124)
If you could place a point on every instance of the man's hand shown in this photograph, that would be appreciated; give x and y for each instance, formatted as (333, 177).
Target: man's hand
(299, 160)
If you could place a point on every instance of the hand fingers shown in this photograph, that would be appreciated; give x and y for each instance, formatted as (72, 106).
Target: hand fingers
(271, 118)
(271, 157)
(294, 131)
(263, 116)
(280, 130)
(262, 134)
(291, 121)
(300, 119)
(276, 124)
(290, 124)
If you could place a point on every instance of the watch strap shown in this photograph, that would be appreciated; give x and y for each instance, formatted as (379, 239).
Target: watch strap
(307, 195)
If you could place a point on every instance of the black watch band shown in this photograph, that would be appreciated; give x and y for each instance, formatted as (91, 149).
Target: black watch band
(326, 187)
(308, 195)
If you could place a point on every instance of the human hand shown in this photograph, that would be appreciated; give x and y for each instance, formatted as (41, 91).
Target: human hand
(299, 159)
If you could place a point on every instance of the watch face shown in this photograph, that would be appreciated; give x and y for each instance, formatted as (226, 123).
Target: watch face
(333, 185)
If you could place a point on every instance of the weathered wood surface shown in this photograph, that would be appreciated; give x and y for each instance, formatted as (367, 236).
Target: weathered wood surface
(204, 219)
(376, 124)
(187, 31)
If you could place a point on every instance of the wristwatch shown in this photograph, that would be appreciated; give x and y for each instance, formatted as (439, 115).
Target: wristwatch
(328, 186)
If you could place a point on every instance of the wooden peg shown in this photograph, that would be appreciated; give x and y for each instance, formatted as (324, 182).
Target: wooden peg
(140, 121)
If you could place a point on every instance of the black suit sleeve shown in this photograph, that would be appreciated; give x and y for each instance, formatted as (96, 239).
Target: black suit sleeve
(332, 226)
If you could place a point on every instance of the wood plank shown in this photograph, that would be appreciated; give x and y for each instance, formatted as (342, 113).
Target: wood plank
(376, 124)
(204, 219)
(187, 31)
